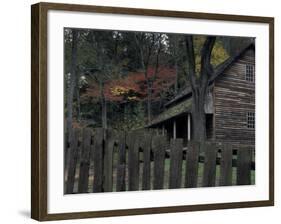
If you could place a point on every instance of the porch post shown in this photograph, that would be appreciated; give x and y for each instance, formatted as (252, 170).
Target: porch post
(188, 128)
(174, 129)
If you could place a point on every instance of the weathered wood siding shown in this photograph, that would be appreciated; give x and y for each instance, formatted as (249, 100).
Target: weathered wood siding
(234, 96)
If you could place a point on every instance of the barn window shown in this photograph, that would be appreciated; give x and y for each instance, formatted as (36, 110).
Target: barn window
(251, 120)
(250, 73)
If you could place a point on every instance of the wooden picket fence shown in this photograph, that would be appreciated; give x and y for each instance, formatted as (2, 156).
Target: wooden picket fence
(105, 160)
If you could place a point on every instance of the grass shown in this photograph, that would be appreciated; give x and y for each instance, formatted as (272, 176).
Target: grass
(200, 174)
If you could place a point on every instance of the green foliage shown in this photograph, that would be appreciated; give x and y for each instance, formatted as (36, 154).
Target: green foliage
(219, 54)
(133, 118)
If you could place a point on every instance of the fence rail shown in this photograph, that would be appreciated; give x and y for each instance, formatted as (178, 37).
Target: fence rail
(105, 160)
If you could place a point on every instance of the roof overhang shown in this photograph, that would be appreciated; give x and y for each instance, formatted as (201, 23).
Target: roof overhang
(180, 108)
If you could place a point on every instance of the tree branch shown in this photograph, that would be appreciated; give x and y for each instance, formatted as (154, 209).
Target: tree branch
(139, 47)
(191, 60)
(157, 57)
(206, 55)
(206, 66)
(220, 68)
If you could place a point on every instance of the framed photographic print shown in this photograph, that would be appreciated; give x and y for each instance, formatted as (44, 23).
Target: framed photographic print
(138, 111)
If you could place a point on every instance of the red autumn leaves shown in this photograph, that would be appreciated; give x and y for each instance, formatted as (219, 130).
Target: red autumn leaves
(133, 87)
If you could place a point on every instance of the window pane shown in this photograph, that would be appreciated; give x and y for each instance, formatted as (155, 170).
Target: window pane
(250, 75)
(251, 120)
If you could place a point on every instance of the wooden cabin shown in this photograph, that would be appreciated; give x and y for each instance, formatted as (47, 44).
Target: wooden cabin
(229, 109)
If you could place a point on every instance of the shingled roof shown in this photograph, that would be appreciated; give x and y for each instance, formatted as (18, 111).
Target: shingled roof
(183, 102)
(180, 108)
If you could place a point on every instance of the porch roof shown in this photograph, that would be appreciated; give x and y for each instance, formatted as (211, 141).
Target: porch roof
(180, 108)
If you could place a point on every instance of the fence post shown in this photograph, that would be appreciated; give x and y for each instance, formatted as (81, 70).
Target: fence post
(176, 146)
(146, 146)
(121, 166)
(85, 161)
(108, 160)
(133, 161)
(73, 156)
(226, 165)
(98, 160)
(209, 173)
(192, 160)
(159, 146)
(244, 159)
(66, 152)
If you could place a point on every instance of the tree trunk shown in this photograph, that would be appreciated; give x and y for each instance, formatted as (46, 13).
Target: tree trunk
(104, 114)
(149, 102)
(72, 83)
(177, 78)
(144, 66)
(199, 85)
(150, 82)
(175, 53)
(78, 106)
(103, 107)
(198, 115)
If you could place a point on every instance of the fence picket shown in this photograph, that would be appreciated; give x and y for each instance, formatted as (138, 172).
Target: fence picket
(100, 156)
(121, 166)
(209, 173)
(73, 155)
(108, 161)
(146, 146)
(159, 146)
(66, 152)
(85, 162)
(176, 147)
(98, 160)
(226, 165)
(244, 158)
(133, 161)
(192, 156)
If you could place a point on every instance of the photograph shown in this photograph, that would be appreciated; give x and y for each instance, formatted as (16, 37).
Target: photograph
(152, 111)
(140, 111)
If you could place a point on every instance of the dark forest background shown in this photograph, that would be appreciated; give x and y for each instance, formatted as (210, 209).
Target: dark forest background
(121, 80)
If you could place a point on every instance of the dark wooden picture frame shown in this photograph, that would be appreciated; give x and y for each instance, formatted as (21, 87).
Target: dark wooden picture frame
(39, 107)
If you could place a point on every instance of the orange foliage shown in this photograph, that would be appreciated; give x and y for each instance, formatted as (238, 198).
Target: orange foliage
(133, 87)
